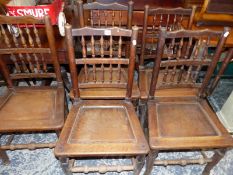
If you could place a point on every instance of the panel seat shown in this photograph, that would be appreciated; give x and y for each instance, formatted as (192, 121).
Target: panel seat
(32, 109)
(101, 128)
(185, 125)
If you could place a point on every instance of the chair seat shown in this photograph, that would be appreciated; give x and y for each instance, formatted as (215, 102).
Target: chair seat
(32, 109)
(109, 92)
(182, 124)
(101, 128)
(145, 76)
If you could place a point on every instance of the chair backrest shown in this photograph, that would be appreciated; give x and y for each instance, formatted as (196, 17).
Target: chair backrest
(97, 14)
(188, 53)
(25, 49)
(170, 18)
(103, 65)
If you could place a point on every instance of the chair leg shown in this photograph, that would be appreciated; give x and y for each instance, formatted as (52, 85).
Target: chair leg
(58, 132)
(150, 161)
(4, 157)
(143, 112)
(65, 166)
(139, 163)
(65, 79)
(218, 155)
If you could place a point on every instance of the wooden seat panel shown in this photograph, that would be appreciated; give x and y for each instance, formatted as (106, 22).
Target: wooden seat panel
(185, 125)
(102, 128)
(31, 109)
(175, 119)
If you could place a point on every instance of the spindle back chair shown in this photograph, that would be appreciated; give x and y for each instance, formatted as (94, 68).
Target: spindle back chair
(96, 14)
(169, 18)
(179, 117)
(105, 67)
(154, 18)
(102, 128)
(29, 108)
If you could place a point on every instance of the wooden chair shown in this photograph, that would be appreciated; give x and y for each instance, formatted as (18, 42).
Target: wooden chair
(29, 108)
(215, 13)
(98, 14)
(171, 19)
(102, 128)
(179, 116)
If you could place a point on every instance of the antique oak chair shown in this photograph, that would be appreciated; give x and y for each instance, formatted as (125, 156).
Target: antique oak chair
(214, 12)
(23, 49)
(179, 116)
(100, 15)
(155, 18)
(102, 128)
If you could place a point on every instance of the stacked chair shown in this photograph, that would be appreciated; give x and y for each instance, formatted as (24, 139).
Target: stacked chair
(23, 57)
(154, 19)
(99, 15)
(175, 77)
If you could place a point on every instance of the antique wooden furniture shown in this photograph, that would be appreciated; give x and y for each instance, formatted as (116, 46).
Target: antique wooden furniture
(28, 108)
(171, 19)
(104, 15)
(97, 14)
(216, 13)
(179, 117)
(102, 128)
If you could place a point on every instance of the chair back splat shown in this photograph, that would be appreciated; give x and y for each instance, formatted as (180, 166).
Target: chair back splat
(187, 55)
(104, 66)
(97, 14)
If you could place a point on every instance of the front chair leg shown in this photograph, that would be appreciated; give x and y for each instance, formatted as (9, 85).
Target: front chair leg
(139, 163)
(218, 155)
(150, 161)
(4, 157)
(65, 166)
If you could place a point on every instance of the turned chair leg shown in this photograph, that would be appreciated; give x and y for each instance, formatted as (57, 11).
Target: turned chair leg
(4, 157)
(218, 155)
(65, 166)
(139, 163)
(150, 161)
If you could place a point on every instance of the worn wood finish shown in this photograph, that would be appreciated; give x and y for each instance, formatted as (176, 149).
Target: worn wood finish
(155, 18)
(97, 128)
(224, 65)
(104, 73)
(98, 14)
(213, 13)
(29, 108)
(179, 118)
